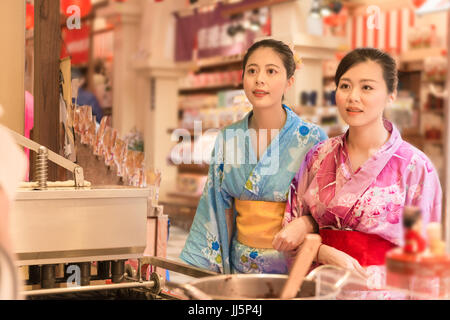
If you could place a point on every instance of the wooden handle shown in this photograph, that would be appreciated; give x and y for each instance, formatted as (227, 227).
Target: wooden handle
(301, 266)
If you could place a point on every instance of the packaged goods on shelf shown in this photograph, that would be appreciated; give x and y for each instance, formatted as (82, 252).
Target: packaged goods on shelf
(191, 184)
(401, 112)
(228, 98)
(435, 68)
(134, 169)
(109, 138)
(214, 117)
(434, 103)
(120, 151)
(211, 79)
(198, 101)
(98, 146)
(422, 37)
(433, 126)
(122, 155)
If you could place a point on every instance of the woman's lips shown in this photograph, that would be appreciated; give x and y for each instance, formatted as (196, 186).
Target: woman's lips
(260, 93)
(353, 110)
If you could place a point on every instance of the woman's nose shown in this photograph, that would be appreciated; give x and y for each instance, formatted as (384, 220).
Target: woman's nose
(354, 95)
(260, 78)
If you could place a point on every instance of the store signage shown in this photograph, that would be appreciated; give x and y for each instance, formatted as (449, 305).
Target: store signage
(76, 44)
(212, 33)
(383, 29)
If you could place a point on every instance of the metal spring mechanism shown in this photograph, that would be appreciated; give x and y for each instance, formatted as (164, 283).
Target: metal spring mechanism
(42, 168)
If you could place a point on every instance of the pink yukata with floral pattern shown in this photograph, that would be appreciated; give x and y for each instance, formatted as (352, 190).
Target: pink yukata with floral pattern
(370, 200)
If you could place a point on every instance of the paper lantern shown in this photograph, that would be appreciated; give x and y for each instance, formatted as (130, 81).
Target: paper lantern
(29, 19)
(84, 5)
(418, 3)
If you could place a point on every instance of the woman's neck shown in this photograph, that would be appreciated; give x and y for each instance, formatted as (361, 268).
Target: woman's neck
(268, 118)
(369, 138)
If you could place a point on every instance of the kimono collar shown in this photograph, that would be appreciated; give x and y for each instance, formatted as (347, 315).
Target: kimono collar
(289, 116)
(257, 179)
(340, 203)
(394, 140)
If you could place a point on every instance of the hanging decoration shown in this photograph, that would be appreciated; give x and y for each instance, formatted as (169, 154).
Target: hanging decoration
(29, 20)
(418, 3)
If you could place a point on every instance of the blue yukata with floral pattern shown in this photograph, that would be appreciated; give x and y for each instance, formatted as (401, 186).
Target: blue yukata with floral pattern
(237, 174)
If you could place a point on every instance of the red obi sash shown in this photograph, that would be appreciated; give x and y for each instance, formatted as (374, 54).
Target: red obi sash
(368, 249)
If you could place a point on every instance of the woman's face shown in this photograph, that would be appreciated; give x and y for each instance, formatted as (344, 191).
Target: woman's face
(265, 79)
(362, 94)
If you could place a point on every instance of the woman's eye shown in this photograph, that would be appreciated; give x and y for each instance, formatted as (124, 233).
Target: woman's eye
(271, 71)
(367, 88)
(344, 86)
(251, 71)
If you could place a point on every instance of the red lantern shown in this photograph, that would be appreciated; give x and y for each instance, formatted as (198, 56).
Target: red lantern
(29, 20)
(418, 3)
(84, 5)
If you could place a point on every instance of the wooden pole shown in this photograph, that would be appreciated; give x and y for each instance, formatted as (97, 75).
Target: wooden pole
(47, 43)
(446, 184)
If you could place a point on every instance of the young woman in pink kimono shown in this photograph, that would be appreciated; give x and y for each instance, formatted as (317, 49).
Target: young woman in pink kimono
(356, 185)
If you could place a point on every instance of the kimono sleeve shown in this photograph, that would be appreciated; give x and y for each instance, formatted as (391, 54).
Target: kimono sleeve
(322, 135)
(207, 243)
(295, 205)
(425, 192)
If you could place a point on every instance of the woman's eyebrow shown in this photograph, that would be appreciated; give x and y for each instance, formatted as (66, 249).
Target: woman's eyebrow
(362, 80)
(371, 80)
(272, 65)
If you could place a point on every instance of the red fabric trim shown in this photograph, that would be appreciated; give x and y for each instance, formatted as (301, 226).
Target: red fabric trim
(364, 34)
(354, 24)
(399, 32)
(387, 32)
(368, 249)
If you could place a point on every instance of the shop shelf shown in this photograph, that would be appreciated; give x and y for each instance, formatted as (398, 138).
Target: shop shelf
(193, 168)
(214, 88)
(419, 54)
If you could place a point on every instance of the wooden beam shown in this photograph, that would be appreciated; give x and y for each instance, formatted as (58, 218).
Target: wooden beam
(47, 44)
(446, 184)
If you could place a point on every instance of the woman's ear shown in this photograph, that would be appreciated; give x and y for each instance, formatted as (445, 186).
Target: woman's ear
(290, 82)
(391, 97)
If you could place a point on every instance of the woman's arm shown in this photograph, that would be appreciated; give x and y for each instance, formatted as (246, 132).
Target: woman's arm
(229, 213)
(5, 239)
(297, 220)
(293, 235)
(333, 256)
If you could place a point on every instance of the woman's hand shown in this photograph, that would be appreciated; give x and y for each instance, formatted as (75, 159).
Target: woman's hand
(291, 236)
(333, 256)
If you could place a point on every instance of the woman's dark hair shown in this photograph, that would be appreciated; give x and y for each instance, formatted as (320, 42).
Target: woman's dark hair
(282, 49)
(360, 55)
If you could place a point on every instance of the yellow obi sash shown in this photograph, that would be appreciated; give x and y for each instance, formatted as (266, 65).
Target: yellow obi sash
(258, 222)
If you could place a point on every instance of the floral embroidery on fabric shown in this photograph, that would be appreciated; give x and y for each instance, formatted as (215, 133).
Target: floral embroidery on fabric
(370, 200)
(212, 251)
(207, 245)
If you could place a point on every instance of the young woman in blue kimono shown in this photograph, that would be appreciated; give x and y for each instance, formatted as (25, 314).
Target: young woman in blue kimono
(239, 217)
